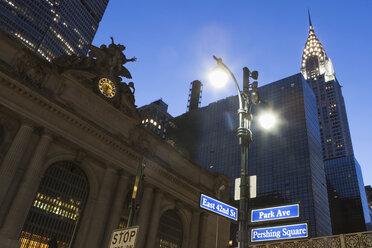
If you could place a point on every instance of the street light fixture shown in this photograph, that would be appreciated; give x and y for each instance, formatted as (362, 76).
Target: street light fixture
(248, 97)
(267, 120)
(218, 77)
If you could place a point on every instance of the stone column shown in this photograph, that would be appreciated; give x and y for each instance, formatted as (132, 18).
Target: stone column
(99, 218)
(13, 157)
(154, 220)
(117, 207)
(143, 215)
(194, 229)
(30, 182)
(85, 221)
(203, 226)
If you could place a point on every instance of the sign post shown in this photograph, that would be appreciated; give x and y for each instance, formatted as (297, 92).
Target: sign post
(252, 187)
(124, 238)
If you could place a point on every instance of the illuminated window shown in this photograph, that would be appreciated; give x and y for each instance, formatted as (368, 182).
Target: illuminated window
(60, 199)
(170, 231)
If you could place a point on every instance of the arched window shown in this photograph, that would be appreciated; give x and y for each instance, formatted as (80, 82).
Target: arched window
(59, 201)
(170, 231)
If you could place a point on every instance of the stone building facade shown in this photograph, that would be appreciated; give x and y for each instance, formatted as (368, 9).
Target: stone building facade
(69, 152)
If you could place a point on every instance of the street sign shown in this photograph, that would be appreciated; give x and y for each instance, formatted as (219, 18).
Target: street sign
(279, 232)
(275, 213)
(124, 238)
(218, 207)
(252, 187)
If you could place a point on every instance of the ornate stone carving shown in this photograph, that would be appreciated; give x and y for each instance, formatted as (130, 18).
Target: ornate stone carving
(366, 239)
(275, 246)
(64, 115)
(289, 245)
(138, 138)
(111, 59)
(357, 240)
(80, 156)
(352, 241)
(102, 61)
(303, 244)
(30, 68)
(319, 243)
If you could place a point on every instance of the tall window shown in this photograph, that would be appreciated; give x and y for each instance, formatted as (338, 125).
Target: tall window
(58, 204)
(170, 231)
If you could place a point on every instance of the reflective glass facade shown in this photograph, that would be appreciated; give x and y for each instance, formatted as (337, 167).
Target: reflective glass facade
(287, 161)
(348, 204)
(52, 27)
(318, 71)
(347, 196)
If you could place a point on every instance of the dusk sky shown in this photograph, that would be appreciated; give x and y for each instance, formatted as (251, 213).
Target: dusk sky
(174, 41)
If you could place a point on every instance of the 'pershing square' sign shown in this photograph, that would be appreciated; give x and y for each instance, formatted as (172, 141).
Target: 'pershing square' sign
(275, 213)
(218, 207)
(279, 232)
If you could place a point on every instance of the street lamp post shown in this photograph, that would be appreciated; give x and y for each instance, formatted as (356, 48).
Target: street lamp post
(247, 98)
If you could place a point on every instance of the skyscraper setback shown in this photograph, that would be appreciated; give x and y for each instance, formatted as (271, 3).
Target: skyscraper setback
(317, 69)
(52, 27)
(346, 193)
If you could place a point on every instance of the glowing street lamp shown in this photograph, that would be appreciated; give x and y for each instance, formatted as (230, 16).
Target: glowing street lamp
(218, 77)
(247, 98)
(267, 120)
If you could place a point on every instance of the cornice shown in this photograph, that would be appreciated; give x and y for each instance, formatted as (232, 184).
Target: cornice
(61, 113)
(156, 173)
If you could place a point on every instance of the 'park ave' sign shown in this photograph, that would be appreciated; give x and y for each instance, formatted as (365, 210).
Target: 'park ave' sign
(275, 213)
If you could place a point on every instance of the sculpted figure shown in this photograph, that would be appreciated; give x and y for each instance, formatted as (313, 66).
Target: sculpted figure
(111, 59)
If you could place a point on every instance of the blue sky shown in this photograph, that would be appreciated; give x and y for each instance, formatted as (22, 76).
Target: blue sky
(174, 41)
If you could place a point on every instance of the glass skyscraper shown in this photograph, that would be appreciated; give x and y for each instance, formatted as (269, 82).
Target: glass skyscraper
(318, 71)
(348, 204)
(52, 27)
(349, 207)
(288, 161)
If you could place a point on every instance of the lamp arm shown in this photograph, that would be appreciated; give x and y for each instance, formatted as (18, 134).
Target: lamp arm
(219, 62)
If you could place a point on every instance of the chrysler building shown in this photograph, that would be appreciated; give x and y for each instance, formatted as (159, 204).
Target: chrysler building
(317, 69)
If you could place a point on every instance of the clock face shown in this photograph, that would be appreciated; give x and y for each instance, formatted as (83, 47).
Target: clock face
(107, 87)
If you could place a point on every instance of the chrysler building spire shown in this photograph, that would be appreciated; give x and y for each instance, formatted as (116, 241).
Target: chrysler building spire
(318, 71)
(314, 58)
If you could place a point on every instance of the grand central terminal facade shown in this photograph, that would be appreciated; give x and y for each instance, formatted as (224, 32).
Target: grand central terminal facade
(70, 147)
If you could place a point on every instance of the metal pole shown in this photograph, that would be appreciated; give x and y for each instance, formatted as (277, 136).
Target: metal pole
(217, 232)
(242, 204)
(136, 189)
(221, 188)
(75, 228)
(245, 138)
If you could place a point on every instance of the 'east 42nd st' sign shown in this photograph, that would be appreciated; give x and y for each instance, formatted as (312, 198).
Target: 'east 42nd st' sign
(275, 213)
(218, 207)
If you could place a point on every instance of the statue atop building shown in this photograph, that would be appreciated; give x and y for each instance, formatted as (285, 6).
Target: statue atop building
(102, 63)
